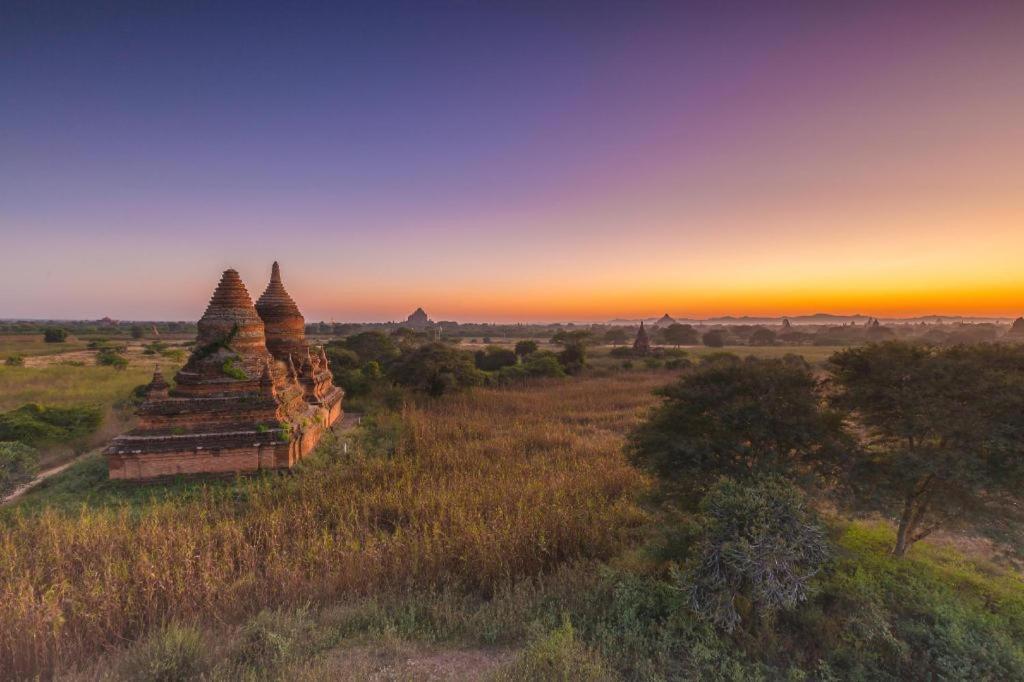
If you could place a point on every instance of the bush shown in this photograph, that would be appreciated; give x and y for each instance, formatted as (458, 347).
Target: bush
(621, 352)
(34, 424)
(14, 361)
(714, 338)
(108, 357)
(494, 358)
(18, 464)
(559, 655)
(759, 549)
(436, 368)
(525, 347)
(55, 335)
(172, 654)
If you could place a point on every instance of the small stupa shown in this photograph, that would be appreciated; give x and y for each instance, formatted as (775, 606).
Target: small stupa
(642, 344)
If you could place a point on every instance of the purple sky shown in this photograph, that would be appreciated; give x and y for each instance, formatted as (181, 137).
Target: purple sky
(512, 160)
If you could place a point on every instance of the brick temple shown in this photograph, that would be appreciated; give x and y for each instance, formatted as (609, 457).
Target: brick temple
(253, 395)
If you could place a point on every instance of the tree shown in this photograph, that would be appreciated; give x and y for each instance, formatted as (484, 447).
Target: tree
(739, 418)
(759, 548)
(616, 336)
(945, 427)
(762, 337)
(525, 347)
(137, 331)
(494, 358)
(574, 344)
(714, 338)
(680, 335)
(435, 369)
(18, 464)
(55, 335)
(372, 345)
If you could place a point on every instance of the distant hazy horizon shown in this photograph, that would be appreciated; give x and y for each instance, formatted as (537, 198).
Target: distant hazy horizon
(513, 161)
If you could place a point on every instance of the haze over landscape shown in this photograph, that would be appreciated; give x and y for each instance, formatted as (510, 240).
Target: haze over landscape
(514, 161)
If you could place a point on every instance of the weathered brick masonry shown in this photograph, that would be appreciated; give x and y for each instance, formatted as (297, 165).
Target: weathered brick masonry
(253, 395)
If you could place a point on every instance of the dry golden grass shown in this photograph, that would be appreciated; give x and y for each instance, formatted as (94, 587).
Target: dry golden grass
(479, 490)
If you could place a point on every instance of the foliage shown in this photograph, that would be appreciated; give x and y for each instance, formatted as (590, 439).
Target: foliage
(55, 335)
(616, 336)
(537, 365)
(435, 369)
(14, 361)
(945, 433)
(371, 346)
(738, 418)
(108, 357)
(137, 331)
(714, 338)
(34, 424)
(18, 464)
(762, 337)
(759, 549)
(233, 370)
(679, 335)
(525, 347)
(558, 655)
(494, 358)
(574, 349)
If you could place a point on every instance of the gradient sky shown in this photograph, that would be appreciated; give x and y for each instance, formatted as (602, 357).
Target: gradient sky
(503, 161)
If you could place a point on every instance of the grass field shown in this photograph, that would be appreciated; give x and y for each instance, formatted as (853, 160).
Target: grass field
(496, 534)
(28, 345)
(467, 496)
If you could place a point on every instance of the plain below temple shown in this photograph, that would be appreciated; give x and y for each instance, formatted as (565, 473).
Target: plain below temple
(253, 395)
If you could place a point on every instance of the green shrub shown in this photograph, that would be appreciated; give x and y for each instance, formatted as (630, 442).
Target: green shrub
(14, 361)
(34, 424)
(233, 370)
(18, 464)
(109, 357)
(55, 335)
(559, 655)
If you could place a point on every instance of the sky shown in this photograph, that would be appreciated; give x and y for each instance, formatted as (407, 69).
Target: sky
(513, 161)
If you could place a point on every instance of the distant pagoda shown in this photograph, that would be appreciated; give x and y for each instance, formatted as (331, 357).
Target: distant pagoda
(417, 320)
(642, 344)
(253, 394)
(665, 321)
(1017, 328)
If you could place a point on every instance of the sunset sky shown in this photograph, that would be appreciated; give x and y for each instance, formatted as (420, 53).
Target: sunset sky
(513, 161)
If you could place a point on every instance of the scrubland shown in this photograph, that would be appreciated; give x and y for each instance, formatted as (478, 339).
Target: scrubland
(498, 533)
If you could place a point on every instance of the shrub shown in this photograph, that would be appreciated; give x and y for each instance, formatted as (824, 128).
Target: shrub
(759, 549)
(714, 338)
(109, 357)
(14, 361)
(55, 335)
(18, 464)
(436, 368)
(172, 654)
(494, 358)
(525, 347)
(559, 655)
(34, 424)
(233, 370)
(621, 352)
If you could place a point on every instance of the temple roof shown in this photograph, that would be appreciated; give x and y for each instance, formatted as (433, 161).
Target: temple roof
(230, 318)
(275, 299)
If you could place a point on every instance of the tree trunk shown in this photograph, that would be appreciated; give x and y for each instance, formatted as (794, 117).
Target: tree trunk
(903, 532)
(914, 508)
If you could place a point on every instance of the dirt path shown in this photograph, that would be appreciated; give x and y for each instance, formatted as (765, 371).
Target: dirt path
(42, 476)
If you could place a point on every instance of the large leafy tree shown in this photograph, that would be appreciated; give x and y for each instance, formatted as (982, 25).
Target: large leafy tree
(739, 418)
(574, 348)
(680, 335)
(944, 434)
(435, 369)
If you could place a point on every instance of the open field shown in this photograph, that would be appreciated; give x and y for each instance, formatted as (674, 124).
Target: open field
(31, 345)
(494, 534)
(68, 385)
(490, 487)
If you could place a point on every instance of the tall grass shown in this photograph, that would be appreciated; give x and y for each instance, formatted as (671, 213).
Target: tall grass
(464, 495)
(68, 385)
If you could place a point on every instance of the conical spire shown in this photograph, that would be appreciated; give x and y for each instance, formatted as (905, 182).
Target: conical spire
(231, 320)
(285, 326)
